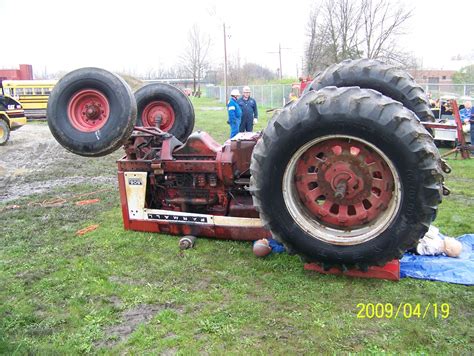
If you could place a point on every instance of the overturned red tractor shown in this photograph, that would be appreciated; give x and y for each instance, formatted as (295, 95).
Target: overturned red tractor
(345, 176)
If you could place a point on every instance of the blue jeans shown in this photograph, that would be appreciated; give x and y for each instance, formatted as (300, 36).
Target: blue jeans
(472, 137)
(234, 127)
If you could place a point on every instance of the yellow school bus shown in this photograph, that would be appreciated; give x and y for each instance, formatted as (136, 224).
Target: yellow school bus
(32, 94)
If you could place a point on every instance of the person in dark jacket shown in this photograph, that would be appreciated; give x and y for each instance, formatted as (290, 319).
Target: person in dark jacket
(249, 111)
(234, 112)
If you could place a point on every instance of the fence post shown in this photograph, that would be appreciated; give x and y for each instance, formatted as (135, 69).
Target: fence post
(271, 95)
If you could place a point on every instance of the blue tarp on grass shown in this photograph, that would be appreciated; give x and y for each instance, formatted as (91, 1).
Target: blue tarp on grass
(458, 270)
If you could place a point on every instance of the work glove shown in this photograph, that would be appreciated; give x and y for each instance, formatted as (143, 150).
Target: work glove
(255, 121)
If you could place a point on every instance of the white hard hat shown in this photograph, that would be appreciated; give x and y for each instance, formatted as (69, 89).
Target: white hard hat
(235, 92)
(246, 89)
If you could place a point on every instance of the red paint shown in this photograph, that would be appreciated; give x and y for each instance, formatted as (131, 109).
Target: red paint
(343, 182)
(162, 109)
(391, 271)
(200, 177)
(123, 200)
(218, 232)
(88, 110)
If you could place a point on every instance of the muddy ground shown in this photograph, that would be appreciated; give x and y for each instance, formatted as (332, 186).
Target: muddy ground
(32, 162)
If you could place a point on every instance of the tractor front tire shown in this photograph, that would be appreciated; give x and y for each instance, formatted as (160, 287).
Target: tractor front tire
(346, 177)
(4, 132)
(91, 112)
(385, 78)
(169, 103)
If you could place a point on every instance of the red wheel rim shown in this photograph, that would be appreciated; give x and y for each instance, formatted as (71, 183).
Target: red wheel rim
(162, 109)
(344, 183)
(341, 189)
(88, 110)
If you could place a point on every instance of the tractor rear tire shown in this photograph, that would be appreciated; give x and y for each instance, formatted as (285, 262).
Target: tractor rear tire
(4, 132)
(385, 78)
(346, 177)
(91, 112)
(171, 104)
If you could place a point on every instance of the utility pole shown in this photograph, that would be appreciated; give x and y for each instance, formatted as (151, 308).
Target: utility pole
(225, 64)
(279, 57)
(280, 70)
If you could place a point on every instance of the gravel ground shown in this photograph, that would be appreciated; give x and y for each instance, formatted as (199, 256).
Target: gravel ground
(32, 162)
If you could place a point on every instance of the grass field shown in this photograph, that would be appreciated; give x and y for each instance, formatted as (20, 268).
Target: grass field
(115, 291)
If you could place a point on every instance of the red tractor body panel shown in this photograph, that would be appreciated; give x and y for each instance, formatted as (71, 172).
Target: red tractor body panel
(197, 188)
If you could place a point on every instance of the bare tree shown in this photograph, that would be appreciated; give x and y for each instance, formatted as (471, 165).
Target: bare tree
(349, 29)
(382, 24)
(194, 59)
(316, 53)
(333, 29)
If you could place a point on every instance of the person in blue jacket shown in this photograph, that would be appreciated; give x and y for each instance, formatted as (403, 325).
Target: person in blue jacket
(235, 112)
(249, 111)
(467, 116)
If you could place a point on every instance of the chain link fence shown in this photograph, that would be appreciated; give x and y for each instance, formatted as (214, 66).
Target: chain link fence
(276, 95)
(271, 96)
(440, 90)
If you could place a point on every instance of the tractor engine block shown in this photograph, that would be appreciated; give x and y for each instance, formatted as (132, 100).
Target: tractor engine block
(200, 176)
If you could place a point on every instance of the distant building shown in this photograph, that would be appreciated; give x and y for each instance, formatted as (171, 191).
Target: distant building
(438, 82)
(433, 76)
(24, 73)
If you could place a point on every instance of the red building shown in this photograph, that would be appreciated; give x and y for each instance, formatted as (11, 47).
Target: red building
(24, 73)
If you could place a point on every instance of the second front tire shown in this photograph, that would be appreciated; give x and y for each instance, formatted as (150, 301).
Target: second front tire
(170, 104)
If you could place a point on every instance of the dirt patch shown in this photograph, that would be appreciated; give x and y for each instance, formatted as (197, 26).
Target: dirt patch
(133, 281)
(31, 276)
(169, 352)
(32, 162)
(203, 283)
(131, 319)
(115, 301)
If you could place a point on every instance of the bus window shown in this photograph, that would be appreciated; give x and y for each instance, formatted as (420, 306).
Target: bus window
(47, 91)
(18, 91)
(38, 91)
(28, 91)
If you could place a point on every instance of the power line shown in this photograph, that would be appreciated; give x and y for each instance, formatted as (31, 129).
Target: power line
(279, 56)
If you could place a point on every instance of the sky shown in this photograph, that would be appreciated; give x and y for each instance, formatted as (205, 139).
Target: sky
(142, 35)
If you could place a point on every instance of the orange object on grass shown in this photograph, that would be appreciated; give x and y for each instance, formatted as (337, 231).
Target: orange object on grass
(86, 230)
(87, 202)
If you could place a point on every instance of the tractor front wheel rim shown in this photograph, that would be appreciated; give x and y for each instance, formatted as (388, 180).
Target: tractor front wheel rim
(160, 109)
(88, 110)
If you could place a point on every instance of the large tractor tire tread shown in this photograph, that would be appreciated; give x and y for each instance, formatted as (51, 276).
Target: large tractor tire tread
(385, 78)
(368, 115)
(91, 112)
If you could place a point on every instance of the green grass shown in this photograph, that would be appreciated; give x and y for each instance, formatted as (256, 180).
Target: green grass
(66, 294)
(214, 121)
